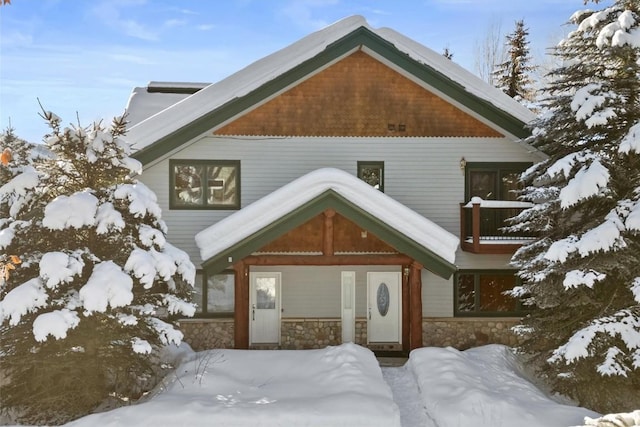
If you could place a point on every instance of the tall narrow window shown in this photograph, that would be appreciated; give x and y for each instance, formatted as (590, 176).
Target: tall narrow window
(372, 173)
(493, 181)
(204, 184)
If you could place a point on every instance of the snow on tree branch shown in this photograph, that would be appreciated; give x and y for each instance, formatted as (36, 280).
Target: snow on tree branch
(107, 286)
(23, 299)
(587, 182)
(624, 324)
(575, 278)
(56, 323)
(631, 141)
(59, 267)
(75, 211)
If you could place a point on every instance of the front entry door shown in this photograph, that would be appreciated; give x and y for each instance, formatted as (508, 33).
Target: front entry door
(384, 305)
(264, 309)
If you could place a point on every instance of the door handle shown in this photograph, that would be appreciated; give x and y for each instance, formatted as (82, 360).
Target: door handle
(253, 312)
(369, 313)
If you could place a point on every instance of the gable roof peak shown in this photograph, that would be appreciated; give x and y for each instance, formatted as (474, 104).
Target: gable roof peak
(250, 221)
(303, 56)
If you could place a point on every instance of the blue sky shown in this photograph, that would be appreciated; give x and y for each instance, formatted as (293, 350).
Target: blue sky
(82, 58)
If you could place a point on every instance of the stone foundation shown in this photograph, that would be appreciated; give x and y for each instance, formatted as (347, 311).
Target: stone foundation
(298, 334)
(463, 333)
(205, 334)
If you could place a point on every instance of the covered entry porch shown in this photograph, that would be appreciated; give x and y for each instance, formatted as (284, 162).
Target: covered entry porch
(299, 254)
(311, 306)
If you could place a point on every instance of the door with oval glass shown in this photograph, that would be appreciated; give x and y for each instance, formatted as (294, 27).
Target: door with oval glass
(264, 311)
(384, 297)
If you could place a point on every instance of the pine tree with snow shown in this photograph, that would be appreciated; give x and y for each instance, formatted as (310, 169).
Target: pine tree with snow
(83, 316)
(583, 271)
(16, 157)
(513, 76)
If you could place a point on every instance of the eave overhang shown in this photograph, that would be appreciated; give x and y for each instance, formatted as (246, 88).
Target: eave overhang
(330, 200)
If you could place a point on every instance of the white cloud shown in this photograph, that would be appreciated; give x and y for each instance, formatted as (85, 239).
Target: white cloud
(301, 12)
(130, 58)
(172, 23)
(205, 27)
(114, 14)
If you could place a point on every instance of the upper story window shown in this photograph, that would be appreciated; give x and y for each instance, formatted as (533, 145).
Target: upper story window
(372, 173)
(204, 184)
(482, 293)
(493, 181)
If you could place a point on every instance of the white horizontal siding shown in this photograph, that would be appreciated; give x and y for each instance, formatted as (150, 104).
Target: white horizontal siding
(315, 291)
(422, 173)
(437, 295)
(468, 260)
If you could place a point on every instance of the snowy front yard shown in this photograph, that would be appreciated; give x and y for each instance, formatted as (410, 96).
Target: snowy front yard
(344, 386)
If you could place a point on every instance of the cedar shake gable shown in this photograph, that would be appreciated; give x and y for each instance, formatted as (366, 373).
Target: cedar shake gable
(358, 96)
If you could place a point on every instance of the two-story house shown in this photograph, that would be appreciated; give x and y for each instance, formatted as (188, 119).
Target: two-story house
(325, 194)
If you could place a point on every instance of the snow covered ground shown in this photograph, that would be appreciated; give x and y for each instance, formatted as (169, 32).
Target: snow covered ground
(484, 386)
(344, 386)
(335, 386)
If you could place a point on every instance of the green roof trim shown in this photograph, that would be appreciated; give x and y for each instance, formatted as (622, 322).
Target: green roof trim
(357, 38)
(331, 200)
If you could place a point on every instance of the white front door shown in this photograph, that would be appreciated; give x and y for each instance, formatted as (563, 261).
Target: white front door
(264, 310)
(384, 307)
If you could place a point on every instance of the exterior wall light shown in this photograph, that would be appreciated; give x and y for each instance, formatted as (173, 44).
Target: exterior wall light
(463, 163)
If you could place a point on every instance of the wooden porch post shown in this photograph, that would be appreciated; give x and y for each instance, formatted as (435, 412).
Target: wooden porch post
(327, 235)
(476, 226)
(406, 308)
(241, 316)
(415, 320)
(463, 225)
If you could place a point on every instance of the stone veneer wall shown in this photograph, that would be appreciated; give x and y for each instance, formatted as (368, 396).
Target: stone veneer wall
(298, 334)
(204, 334)
(463, 333)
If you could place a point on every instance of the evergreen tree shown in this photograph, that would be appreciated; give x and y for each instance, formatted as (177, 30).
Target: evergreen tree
(15, 158)
(583, 272)
(81, 318)
(513, 76)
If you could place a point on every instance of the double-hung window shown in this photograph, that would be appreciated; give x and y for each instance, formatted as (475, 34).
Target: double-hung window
(204, 184)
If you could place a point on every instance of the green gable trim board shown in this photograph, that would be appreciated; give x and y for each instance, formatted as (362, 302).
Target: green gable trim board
(308, 196)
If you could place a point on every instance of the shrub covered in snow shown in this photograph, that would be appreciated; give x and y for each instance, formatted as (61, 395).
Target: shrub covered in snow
(80, 315)
(583, 273)
(631, 419)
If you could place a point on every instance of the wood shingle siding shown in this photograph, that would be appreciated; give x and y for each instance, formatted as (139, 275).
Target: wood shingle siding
(358, 96)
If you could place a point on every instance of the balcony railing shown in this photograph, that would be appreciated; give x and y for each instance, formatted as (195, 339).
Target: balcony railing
(481, 222)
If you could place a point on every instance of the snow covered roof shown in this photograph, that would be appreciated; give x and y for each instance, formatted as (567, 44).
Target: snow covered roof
(146, 101)
(430, 244)
(303, 58)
